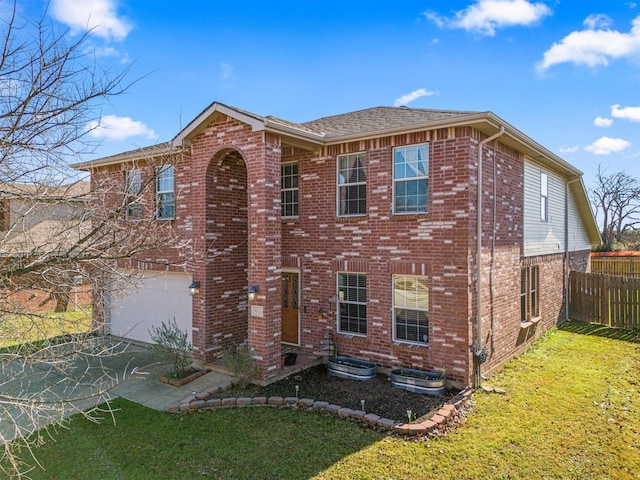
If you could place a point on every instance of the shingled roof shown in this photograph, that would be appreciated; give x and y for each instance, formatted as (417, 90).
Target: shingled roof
(379, 118)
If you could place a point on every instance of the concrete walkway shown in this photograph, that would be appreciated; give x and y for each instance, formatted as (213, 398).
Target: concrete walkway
(142, 384)
(50, 391)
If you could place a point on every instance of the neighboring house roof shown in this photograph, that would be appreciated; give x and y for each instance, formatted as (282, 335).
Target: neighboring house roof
(46, 237)
(74, 191)
(370, 123)
(48, 219)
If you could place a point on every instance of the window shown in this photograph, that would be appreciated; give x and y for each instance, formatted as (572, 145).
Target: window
(544, 197)
(133, 187)
(410, 178)
(2, 215)
(165, 198)
(352, 185)
(410, 309)
(529, 293)
(289, 190)
(352, 303)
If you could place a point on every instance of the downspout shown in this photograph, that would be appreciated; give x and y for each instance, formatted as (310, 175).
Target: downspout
(477, 374)
(566, 248)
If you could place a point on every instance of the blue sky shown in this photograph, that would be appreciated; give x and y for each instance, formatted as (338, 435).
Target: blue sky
(564, 72)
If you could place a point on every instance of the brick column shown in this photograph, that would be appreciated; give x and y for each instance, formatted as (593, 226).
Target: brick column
(265, 259)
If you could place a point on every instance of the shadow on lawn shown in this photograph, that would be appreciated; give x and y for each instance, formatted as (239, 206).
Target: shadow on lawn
(601, 331)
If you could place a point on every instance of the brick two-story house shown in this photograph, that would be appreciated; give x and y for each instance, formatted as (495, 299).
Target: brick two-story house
(363, 227)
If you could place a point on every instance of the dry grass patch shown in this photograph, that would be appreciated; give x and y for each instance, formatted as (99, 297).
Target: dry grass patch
(33, 328)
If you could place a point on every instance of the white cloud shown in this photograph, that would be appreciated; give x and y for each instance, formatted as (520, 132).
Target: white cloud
(602, 122)
(607, 146)
(595, 46)
(573, 149)
(432, 16)
(410, 97)
(485, 16)
(598, 20)
(113, 127)
(98, 16)
(628, 113)
(101, 52)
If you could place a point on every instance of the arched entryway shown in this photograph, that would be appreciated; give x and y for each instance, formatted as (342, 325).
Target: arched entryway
(226, 252)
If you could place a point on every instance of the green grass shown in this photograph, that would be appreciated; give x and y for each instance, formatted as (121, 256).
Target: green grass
(228, 444)
(571, 411)
(18, 330)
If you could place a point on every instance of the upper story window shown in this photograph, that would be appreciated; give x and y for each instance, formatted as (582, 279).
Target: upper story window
(352, 303)
(289, 190)
(410, 178)
(544, 197)
(165, 196)
(352, 185)
(529, 293)
(133, 188)
(410, 309)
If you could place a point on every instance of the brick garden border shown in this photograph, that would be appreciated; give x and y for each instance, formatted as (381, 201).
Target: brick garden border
(438, 423)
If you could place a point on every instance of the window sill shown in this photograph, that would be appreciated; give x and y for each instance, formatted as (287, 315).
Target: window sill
(402, 343)
(350, 335)
(409, 216)
(529, 323)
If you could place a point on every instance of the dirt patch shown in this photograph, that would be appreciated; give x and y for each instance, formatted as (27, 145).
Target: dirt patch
(380, 397)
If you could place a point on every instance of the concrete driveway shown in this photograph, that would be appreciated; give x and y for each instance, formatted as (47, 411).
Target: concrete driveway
(56, 390)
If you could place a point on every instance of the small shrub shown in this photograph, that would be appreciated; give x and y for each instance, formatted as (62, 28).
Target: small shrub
(171, 345)
(240, 363)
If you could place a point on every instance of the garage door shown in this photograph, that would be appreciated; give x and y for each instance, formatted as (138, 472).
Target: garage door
(159, 297)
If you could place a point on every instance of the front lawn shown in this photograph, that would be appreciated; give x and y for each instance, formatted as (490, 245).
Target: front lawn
(571, 411)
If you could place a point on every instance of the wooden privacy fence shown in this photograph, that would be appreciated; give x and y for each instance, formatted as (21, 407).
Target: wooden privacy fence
(605, 299)
(624, 264)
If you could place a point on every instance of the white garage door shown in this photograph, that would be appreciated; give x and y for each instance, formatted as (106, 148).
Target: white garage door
(159, 297)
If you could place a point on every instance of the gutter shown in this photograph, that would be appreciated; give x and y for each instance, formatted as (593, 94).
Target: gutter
(477, 374)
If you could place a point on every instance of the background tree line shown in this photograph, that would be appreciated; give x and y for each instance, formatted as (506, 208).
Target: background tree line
(615, 199)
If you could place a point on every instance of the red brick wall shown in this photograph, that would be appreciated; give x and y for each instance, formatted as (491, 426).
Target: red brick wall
(381, 244)
(238, 239)
(226, 253)
(38, 301)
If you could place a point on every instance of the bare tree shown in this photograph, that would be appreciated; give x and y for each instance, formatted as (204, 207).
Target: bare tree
(616, 201)
(54, 232)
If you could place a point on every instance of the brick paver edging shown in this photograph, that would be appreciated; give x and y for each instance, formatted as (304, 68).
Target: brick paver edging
(437, 423)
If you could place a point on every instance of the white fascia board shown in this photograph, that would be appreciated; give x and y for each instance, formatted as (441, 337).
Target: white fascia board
(198, 123)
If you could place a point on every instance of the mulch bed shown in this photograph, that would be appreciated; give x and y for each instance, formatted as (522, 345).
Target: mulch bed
(381, 398)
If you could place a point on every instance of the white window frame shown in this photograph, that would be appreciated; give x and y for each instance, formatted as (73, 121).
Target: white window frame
(161, 175)
(425, 178)
(407, 305)
(133, 188)
(293, 190)
(352, 291)
(343, 184)
(544, 197)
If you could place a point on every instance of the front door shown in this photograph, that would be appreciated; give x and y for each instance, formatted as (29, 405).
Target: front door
(290, 307)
